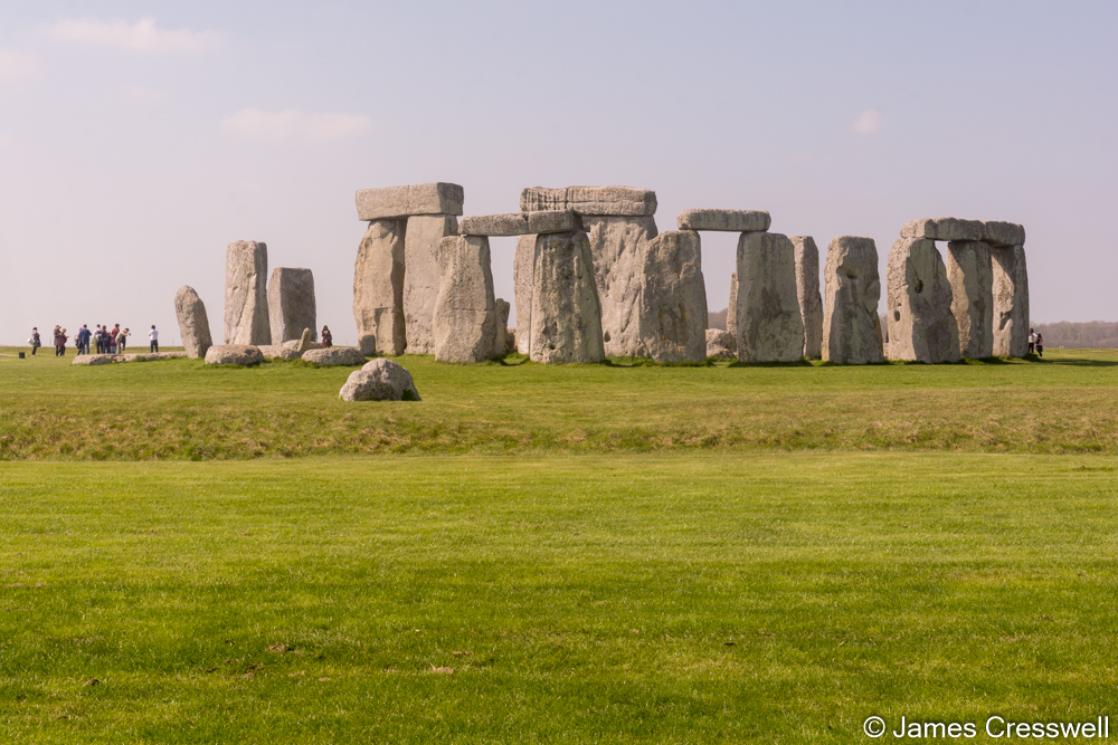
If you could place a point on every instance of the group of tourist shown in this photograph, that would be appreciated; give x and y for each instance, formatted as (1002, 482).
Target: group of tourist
(104, 339)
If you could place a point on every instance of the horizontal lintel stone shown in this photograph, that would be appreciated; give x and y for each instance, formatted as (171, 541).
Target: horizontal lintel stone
(944, 229)
(1004, 234)
(604, 201)
(736, 221)
(414, 199)
(520, 223)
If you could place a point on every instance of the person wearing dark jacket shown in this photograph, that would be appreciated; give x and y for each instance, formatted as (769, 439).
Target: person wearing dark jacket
(35, 341)
(327, 337)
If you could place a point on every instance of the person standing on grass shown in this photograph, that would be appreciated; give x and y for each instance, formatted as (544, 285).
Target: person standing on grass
(112, 337)
(59, 341)
(122, 340)
(1032, 341)
(83, 339)
(35, 340)
(326, 336)
(153, 339)
(1040, 345)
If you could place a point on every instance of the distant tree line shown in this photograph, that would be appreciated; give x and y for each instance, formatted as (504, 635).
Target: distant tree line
(1060, 334)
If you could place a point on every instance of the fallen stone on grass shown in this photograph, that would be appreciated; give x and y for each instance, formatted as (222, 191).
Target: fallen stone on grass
(108, 359)
(380, 380)
(280, 351)
(93, 359)
(721, 344)
(334, 356)
(234, 354)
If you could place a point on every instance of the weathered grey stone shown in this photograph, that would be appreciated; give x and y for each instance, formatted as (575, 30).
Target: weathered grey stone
(674, 298)
(1011, 301)
(520, 223)
(465, 309)
(972, 300)
(807, 292)
(566, 318)
(194, 324)
(553, 221)
(944, 229)
(291, 306)
(379, 380)
(421, 277)
(734, 221)
(732, 307)
(522, 268)
(378, 288)
(304, 342)
(768, 327)
(93, 359)
(921, 327)
(149, 356)
(233, 354)
(721, 344)
(1008, 234)
(414, 199)
(334, 356)
(851, 325)
(285, 351)
(617, 201)
(617, 247)
(501, 329)
(246, 297)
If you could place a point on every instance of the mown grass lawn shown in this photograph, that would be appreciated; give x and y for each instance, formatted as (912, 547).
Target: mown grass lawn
(624, 597)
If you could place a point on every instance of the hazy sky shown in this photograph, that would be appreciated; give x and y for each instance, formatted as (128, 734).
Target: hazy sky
(138, 139)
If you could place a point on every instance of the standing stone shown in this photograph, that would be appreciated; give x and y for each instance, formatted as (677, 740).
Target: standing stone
(732, 306)
(807, 292)
(921, 327)
(246, 297)
(721, 344)
(851, 326)
(421, 278)
(291, 306)
(618, 246)
(674, 298)
(523, 265)
(465, 321)
(769, 327)
(501, 333)
(194, 324)
(1011, 301)
(378, 286)
(566, 318)
(972, 299)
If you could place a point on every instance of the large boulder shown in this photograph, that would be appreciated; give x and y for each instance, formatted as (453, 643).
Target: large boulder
(769, 327)
(379, 380)
(674, 298)
(378, 288)
(566, 321)
(194, 324)
(851, 326)
(807, 292)
(465, 309)
(1011, 301)
(421, 278)
(93, 359)
(972, 296)
(334, 356)
(522, 268)
(921, 327)
(291, 305)
(721, 344)
(283, 351)
(246, 297)
(618, 246)
(233, 354)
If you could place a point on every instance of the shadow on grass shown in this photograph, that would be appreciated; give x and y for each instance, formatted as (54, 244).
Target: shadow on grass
(797, 363)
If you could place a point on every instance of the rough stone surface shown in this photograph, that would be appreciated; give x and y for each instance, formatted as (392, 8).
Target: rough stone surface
(194, 324)
(851, 325)
(674, 298)
(807, 293)
(616, 201)
(291, 307)
(921, 327)
(421, 278)
(414, 199)
(378, 288)
(334, 356)
(280, 351)
(1011, 301)
(1008, 234)
(566, 317)
(769, 327)
(522, 268)
(233, 354)
(149, 356)
(732, 306)
(721, 344)
(93, 359)
(520, 223)
(465, 309)
(379, 380)
(735, 221)
(972, 300)
(246, 297)
(617, 247)
(501, 330)
(944, 229)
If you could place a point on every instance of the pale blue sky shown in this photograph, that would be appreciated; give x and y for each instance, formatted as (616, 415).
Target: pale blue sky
(138, 139)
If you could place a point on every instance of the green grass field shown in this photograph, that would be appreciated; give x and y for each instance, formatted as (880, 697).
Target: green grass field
(598, 554)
